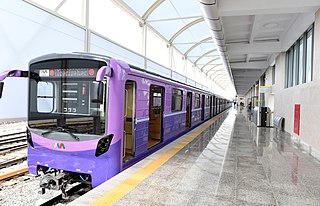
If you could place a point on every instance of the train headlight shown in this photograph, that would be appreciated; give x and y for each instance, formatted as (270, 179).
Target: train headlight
(29, 138)
(103, 145)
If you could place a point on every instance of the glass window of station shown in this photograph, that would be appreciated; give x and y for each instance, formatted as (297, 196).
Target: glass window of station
(299, 60)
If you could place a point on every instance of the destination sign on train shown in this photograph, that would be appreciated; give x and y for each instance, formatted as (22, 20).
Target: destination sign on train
(82, 72)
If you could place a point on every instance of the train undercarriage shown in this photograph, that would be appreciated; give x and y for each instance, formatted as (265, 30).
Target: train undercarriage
(54, 179)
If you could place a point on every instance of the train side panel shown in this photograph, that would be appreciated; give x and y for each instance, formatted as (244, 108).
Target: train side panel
(173, 122)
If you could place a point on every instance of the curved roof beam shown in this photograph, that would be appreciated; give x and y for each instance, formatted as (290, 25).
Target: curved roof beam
(218, 71)
(153, 7)
(185, 28)
(213, 68)
(197, 44)
(218, 76)
(203, 55)
(209, 63)
(223, 82)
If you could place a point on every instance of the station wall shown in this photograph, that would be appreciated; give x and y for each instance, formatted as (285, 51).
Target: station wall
(307, 95)
(28, 32)
(282, 100)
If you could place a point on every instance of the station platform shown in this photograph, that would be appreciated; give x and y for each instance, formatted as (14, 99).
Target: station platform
(225, 161)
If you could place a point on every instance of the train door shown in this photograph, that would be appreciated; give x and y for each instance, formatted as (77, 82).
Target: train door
(155, 115)
(210, 106)
(189, 109)
(129, 116)
(202, 106)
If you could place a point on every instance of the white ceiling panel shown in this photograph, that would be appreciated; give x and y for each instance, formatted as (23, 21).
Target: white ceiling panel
(164, 11)
(169, 28)
(183, 47)
(199, 31)
(140, 7)
(186, 8)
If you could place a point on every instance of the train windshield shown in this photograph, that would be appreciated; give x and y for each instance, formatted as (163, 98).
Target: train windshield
(60, 99)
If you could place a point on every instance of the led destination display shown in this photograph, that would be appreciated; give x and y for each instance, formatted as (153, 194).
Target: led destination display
(81, 72)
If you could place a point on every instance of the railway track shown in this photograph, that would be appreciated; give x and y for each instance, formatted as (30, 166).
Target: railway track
(13, 155)
(12, 161)
(12, 142)
(12, 165)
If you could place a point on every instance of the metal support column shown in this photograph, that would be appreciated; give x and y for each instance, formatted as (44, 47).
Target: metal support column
(144, 43)
(170, 57)
(87, 29)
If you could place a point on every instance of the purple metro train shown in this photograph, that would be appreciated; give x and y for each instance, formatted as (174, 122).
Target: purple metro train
(91, 116)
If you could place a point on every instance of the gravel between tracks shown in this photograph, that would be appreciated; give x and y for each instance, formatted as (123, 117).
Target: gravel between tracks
(23, 192)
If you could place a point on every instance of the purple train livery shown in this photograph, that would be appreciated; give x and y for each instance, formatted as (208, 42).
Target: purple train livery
(92, 116)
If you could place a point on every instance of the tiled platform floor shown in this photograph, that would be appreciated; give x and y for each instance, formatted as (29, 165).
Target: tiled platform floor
(232, 163)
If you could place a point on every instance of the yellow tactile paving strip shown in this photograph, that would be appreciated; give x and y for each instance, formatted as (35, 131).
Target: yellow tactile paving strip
(126, 186)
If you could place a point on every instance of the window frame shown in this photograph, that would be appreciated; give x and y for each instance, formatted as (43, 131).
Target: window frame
(174, 98)
(46, 97)
(295, 63)
(301, 61)
(310, 31)
(207, 103)
(197, 101)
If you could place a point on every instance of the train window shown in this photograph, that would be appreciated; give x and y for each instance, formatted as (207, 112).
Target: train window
(207, 101)
(156, 99)
(45, 97)
(197, 101)
(176, 103)
(63, 93)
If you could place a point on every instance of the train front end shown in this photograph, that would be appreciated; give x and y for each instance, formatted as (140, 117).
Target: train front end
(67, 122)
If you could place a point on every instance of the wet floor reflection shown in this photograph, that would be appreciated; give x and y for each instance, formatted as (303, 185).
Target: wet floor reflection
(270, 169)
